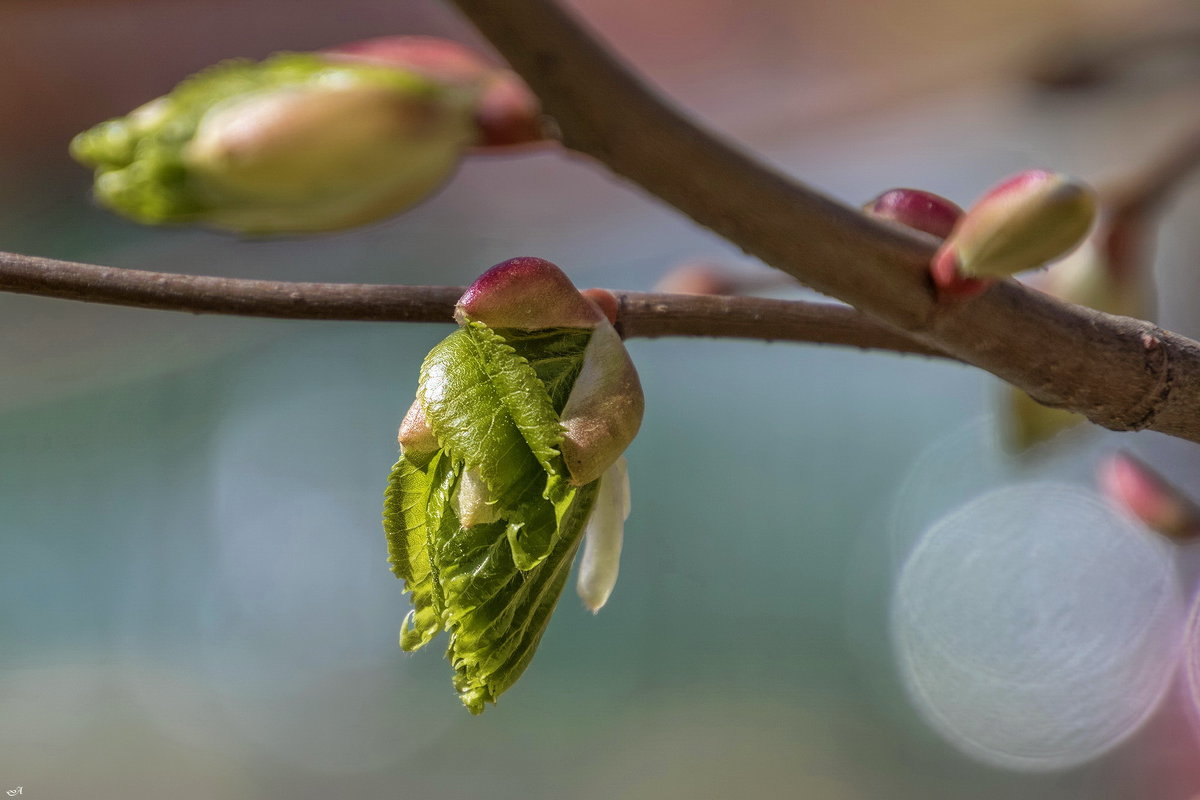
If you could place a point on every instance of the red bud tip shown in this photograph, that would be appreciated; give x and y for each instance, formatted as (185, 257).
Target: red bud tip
(914, 208)
(527, 293)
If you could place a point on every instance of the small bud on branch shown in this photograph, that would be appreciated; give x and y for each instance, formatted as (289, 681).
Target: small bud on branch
(1023, 223)
(526, 409)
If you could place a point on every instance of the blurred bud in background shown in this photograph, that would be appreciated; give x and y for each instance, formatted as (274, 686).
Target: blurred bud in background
(712, 277)
(1137, 489)
(296, 143)
(698, 277)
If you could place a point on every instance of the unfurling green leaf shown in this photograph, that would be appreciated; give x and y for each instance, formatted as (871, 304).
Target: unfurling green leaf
(483, 512)
(493, 402)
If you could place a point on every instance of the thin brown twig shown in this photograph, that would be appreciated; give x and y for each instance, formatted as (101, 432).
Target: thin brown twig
(640, 314)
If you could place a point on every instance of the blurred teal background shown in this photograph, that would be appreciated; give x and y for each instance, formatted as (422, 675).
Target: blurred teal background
(195, 600)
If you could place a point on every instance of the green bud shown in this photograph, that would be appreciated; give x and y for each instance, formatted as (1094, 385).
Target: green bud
(1025, 222)
(296, 143)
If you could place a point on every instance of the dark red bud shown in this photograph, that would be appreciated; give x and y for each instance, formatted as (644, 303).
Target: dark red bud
(914, 208)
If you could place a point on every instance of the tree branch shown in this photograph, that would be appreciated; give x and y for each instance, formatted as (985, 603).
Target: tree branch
(1122, 373)
(639, 314)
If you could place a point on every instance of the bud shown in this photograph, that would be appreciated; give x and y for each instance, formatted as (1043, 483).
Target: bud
(1028, 220)
(527, 293)
(1142, 492)
(698, 278)
(296, 143)
(507, 112)
(509, 457)
(932, 214)
(913, 208)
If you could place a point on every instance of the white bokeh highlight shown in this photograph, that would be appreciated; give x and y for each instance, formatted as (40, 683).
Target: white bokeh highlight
(1036, 628)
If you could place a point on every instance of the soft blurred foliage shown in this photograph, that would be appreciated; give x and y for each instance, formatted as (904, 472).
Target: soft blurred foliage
(196, 601)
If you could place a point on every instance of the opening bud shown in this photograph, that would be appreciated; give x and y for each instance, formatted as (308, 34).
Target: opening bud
(527, 293)
(528, 407)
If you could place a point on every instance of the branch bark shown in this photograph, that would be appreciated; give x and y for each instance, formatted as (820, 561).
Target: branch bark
(1121, 373)
(639, 314)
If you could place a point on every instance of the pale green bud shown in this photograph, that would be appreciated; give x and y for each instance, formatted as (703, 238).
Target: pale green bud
(1025, 222)
(296, 143)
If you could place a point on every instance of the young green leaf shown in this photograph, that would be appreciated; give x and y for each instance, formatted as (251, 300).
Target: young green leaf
(492, 645)
(487, 407)
(404, 522)
(484, 515)
(492, 400)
